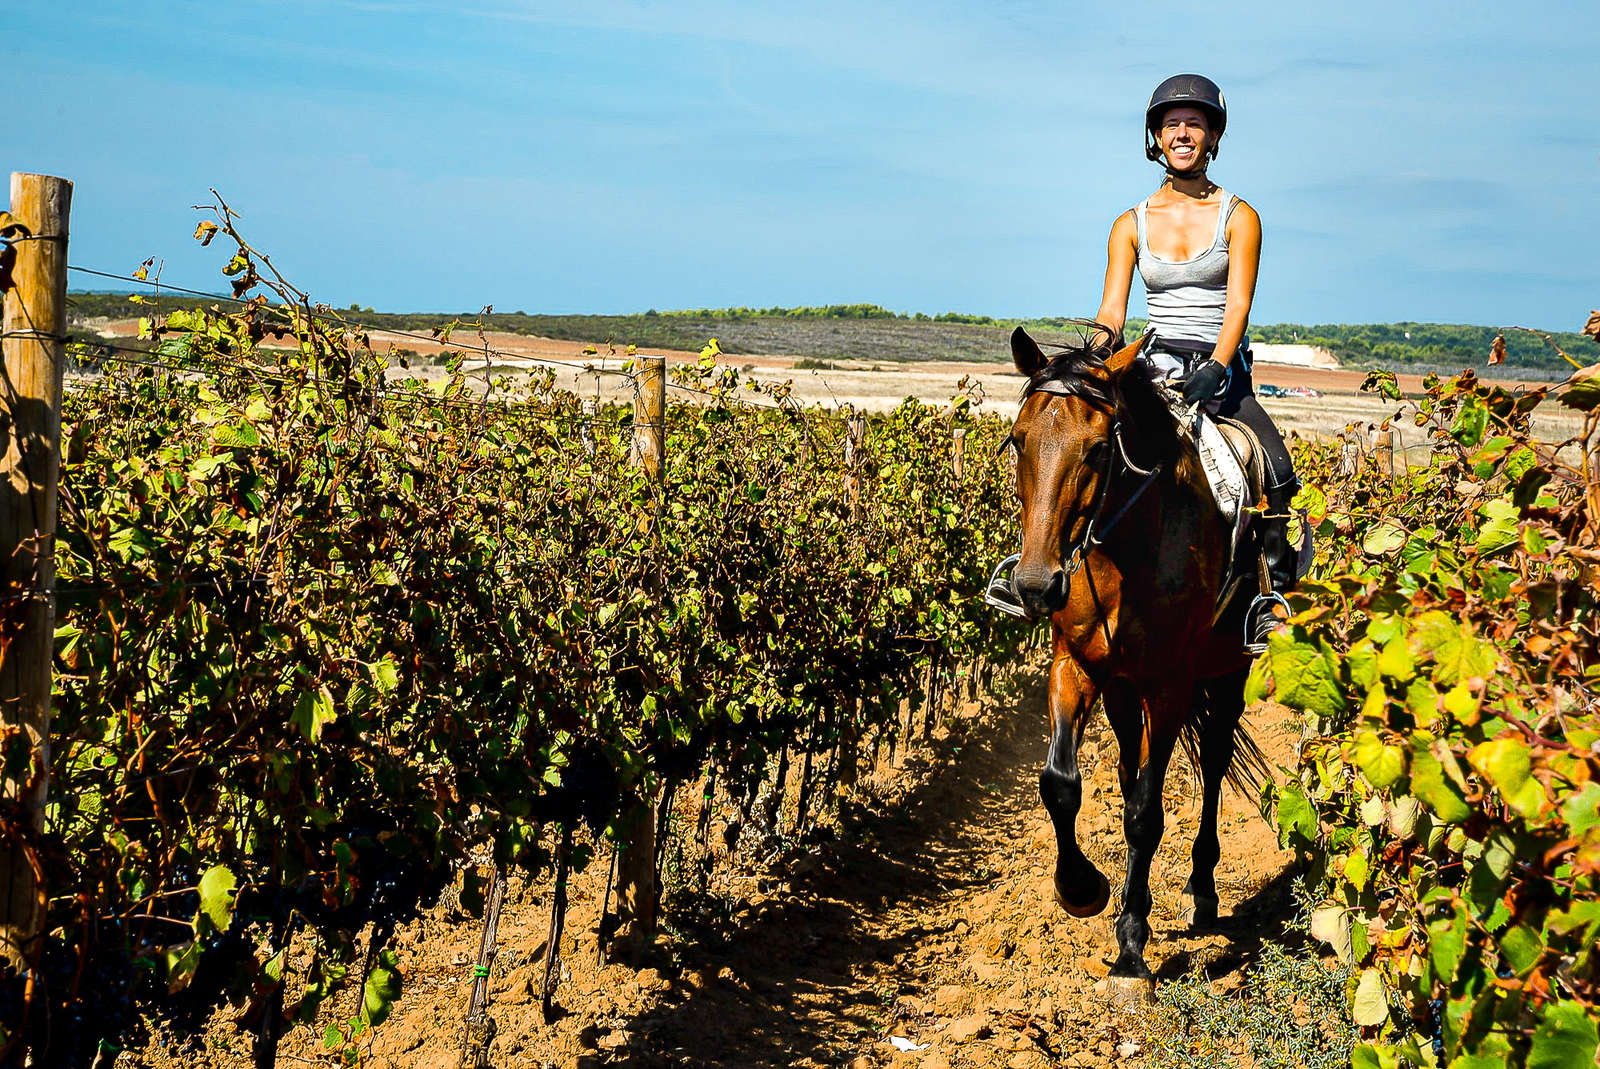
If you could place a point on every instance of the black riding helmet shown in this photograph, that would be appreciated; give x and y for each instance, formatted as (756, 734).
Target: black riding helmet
(1185, 90)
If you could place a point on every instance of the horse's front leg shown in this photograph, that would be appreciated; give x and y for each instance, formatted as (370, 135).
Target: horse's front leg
(1146, 731)
(1081, 888)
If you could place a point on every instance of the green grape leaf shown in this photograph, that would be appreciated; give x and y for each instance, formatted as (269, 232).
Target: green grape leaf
(219, 889)
(1381, 763)
(181, 961)
(313, 711)
(1564, 1039)
(1458, 654)
(235, 435)
(1583, 393)
(1581, 810)
(1470, 422)
(1499, 530)
(1395, 660)
(1447, 941)
(382, 989)
(1304, 676)
(1522, 947)
(1434, 789)
(1383, 538)
(1297, 820)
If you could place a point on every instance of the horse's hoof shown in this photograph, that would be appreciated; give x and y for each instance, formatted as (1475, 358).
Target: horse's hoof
(1093, 907)
(1127, 992)
(1199, 912)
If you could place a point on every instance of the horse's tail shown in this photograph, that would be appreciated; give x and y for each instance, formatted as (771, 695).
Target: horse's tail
(1248, 770)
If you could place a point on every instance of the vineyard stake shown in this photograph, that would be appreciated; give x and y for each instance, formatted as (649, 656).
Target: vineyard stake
(636, 860)
(958, 454)
(558, 920)
(33, 273)
(605, 910)
(802, 805)
(849, 740)
(480, 1027)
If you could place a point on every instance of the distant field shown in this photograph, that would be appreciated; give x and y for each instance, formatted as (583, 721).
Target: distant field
(869, 333)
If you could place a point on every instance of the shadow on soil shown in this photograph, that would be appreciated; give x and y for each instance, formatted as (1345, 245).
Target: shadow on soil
(809, 976)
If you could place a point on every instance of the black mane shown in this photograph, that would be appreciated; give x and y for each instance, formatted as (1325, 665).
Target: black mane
(1135, 395)
(1080, 370)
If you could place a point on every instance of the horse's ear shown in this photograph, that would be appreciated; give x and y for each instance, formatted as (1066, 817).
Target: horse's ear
(1123, 358)
(1026, 354)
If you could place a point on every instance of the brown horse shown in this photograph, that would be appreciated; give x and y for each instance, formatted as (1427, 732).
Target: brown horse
(1100, 456)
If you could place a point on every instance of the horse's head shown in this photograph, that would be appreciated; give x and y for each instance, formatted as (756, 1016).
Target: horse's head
(1063, 438)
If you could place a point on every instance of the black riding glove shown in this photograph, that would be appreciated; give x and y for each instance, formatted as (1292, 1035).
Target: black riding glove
(1202, 383)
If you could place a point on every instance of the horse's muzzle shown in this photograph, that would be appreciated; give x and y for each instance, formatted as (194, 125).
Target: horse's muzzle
(1041, 589)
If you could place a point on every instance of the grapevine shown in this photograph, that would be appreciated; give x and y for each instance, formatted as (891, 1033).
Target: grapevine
(327, 630)
(1447, 801)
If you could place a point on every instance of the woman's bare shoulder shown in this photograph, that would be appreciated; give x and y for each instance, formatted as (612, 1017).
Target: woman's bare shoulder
(1242, 209)
(1243, 222)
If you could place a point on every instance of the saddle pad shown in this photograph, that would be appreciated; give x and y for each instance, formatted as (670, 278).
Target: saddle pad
(1229, 482)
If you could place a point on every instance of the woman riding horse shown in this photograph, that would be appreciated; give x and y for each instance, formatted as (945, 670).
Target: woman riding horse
(1123, 547)
(1197, 248)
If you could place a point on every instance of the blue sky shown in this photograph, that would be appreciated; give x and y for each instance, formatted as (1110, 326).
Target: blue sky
(1423, 161)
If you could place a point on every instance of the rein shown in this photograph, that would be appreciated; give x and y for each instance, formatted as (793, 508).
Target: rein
(1090, 540)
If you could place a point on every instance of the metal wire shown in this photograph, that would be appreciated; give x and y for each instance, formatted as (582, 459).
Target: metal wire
(585, 366)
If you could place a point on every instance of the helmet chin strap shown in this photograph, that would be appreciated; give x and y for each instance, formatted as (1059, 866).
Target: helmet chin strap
(1194, 173)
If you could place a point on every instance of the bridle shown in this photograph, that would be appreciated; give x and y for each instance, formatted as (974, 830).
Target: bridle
(1000, 593)
(1091, 539)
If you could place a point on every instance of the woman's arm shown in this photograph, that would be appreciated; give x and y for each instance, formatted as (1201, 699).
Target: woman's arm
(1122, 250)
(1244, 261)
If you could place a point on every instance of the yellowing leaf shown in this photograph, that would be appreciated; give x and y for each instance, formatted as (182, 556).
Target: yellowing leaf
(1331, 924)
(1383, 538)
(1507, 763)
(1370, 1006)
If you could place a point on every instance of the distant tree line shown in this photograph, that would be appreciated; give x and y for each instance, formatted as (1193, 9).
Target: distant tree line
(1432, 344)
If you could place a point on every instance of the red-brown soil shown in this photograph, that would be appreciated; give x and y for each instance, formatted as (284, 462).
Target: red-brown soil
(926, 915)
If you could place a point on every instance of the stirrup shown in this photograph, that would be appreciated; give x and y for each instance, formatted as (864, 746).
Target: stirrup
(1260, 612)
(1000, 593)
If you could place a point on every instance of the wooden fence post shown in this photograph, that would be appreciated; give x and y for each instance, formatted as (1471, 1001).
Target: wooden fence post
(1351, 453)
(591, 412)
(1383, 451)
(636, 856)
(958, 453)
(650, 415)
(855, 440)
(35, 326)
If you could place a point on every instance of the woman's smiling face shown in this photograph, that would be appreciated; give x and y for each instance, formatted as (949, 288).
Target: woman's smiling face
(1185, 138)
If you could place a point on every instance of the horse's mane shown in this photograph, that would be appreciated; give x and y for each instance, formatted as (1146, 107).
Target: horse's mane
(1079, 370)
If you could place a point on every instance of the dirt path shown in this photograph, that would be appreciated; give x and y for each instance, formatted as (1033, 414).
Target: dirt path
(927, 918)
